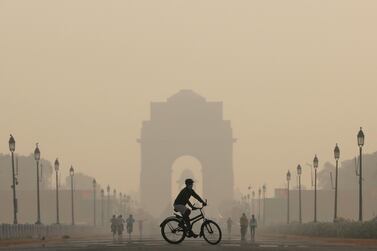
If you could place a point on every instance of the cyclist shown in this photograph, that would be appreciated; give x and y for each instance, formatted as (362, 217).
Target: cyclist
(182, 199)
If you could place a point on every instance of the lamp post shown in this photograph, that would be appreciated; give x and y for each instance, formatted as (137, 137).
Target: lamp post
(315, 165)
(108, 201)
(299, 171)
(72, 173)
(249, 198)
(12, 148)
(336, 156)
(57, 189)
(37, 157)
(120, 203)
(288, 179)
(252, 201)
(360, 142)
(125, 204)
(264, 203)
(94, 202)
(114, 204)
(259, 199)
(102, 207)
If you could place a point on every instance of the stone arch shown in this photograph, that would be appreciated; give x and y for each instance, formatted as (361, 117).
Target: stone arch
(185, 125)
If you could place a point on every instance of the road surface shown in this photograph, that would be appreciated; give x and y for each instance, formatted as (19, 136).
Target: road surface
(263, 244)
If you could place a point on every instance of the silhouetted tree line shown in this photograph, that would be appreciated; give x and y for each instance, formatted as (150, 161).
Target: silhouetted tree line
(347, 173)
(26, 173)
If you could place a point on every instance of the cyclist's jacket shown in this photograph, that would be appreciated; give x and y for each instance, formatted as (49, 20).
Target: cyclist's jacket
(184, 196)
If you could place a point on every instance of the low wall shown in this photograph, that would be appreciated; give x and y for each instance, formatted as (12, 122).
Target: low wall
(346, 229)
(25, 231)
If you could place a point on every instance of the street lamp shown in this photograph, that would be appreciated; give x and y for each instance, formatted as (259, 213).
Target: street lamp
(57, 189)
(125, 204)
(120, 203)
(315, 165)
(288, 179)
(94, 201)
(252, 201)
(72, 173)
(108, 201)
(264, 203)
(102, 207)
(37, 157)
(12, 148)
(360, 142)
(114, 205)
(336, 156)
(299, 172)
(259, 200)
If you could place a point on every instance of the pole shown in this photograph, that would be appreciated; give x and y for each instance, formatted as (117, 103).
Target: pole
(14, 193)
(102, 208)
(336, 192)
(288, 204)
(94, 205)
(315, 195)
(264, 207)
(259, 199)
(73, 211)
(38, 200)
(108, 205)
(57, 198)
(299, 200)
(361, 187)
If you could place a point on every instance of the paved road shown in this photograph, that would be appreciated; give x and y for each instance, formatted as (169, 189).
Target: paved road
(266, 244)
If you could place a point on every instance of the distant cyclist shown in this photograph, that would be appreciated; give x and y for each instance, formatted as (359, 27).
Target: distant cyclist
(182, 200)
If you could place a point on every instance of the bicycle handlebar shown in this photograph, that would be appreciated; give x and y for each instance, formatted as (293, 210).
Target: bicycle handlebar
(199, 208)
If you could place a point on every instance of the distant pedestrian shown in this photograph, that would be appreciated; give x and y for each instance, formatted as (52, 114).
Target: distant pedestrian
(243, 224)
(120, 226)
(113, 226)
(229, 224)
(253, 225)
(130, 225)
(141, 228)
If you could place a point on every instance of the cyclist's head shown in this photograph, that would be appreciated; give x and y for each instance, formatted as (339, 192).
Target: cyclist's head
(189, 182)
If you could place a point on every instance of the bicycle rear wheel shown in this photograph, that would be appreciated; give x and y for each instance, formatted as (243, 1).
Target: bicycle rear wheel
(211, 232)
(172, 232)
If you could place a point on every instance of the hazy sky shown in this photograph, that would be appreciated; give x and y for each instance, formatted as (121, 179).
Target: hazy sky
(295, 76)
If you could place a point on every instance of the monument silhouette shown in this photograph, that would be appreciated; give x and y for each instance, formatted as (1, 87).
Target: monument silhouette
(185, 125)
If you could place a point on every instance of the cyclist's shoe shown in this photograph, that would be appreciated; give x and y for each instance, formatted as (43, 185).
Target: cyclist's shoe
(181, 224)
(191, 234)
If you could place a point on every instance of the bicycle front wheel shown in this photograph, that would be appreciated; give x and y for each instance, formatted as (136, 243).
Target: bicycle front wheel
(211, 232)
(172, 232)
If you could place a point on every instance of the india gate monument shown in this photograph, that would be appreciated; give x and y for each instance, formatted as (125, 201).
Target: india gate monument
(185, 125)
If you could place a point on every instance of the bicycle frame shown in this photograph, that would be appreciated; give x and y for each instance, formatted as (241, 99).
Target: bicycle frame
(195, 219)
(198, 217)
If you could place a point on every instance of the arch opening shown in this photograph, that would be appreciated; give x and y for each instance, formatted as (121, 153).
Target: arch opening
(186, 167)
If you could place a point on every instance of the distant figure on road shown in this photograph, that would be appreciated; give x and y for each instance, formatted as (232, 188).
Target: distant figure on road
(229, 224)
(130, 225)
(140, 228)
(120, 226)
(244, 224)
(113, 226)
(253, 225)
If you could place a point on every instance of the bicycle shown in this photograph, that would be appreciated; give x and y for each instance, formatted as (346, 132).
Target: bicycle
(174, 230)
